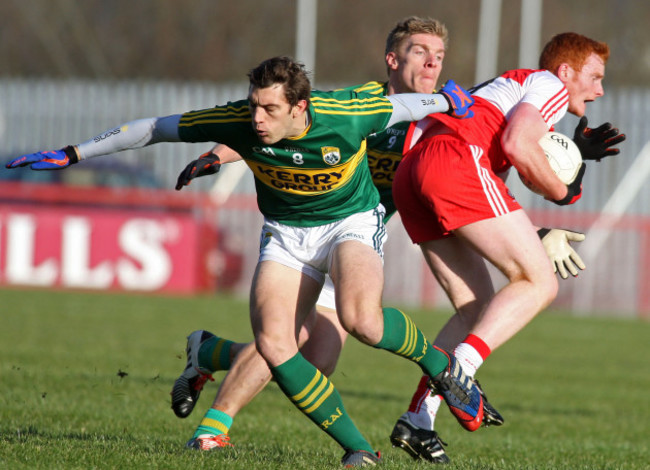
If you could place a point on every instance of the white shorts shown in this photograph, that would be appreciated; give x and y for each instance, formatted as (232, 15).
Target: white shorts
(326, 297)
(309, 249)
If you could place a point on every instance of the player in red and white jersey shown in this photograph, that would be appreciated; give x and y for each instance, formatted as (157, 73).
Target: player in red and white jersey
(495, 101)
(451, 194)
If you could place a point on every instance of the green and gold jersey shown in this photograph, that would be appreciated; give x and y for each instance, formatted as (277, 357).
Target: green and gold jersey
(384, 149)
(315, 178)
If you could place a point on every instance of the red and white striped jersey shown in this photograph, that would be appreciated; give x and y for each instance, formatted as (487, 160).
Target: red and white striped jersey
(495, 101)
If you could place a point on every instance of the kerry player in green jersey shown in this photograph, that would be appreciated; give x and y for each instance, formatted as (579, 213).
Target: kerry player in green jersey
(414, 54)
(307, 151)
(415, 70)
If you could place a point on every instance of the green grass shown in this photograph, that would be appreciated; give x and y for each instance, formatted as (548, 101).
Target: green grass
(85, 380)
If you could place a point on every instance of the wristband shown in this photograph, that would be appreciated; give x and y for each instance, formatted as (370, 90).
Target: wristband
(71, 153)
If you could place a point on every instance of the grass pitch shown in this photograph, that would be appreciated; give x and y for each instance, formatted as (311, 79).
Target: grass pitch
(85, 381)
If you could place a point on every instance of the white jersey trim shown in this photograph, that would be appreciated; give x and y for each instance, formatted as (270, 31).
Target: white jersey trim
(490, 188)
(540, 88)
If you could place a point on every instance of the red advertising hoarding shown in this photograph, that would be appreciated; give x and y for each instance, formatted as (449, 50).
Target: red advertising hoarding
(151, 241)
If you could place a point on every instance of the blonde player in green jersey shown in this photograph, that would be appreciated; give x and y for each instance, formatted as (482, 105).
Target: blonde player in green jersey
(415, 51)
(322, 215)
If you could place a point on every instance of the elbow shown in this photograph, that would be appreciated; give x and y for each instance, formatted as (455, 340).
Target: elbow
(511, 147)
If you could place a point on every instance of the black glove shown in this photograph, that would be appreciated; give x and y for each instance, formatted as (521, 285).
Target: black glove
(207, 164)
(574, 189)
(597, 143)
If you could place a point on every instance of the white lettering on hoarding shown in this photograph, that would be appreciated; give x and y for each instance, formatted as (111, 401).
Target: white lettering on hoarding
(75, 257)
(138, 261)
(20, 268)
(143, 240)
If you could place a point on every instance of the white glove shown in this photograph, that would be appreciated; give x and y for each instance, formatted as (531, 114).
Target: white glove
(562, 255)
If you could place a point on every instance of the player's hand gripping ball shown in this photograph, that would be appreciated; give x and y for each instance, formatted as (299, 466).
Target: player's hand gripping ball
(563, 156)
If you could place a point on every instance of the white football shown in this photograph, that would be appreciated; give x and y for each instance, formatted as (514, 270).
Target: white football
(563, 155)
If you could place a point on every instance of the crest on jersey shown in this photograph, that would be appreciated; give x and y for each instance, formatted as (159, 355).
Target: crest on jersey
(331, 155)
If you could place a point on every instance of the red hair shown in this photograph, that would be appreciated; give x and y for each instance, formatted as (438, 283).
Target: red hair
(572, 49)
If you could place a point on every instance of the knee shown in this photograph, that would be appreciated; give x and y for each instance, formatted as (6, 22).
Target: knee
(549, 289)
(275, 350)
(326, 365)
(264, 346)
(545, 285)
(365, 326)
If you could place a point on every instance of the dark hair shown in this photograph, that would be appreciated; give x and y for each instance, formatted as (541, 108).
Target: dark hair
(285, 71)
(572, 49)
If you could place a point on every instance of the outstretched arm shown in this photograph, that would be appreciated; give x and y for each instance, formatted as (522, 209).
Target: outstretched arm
(131, 135)
(452, 100)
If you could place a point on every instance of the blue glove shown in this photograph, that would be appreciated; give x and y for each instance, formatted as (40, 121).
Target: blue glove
(50, 160)
(459, 100)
